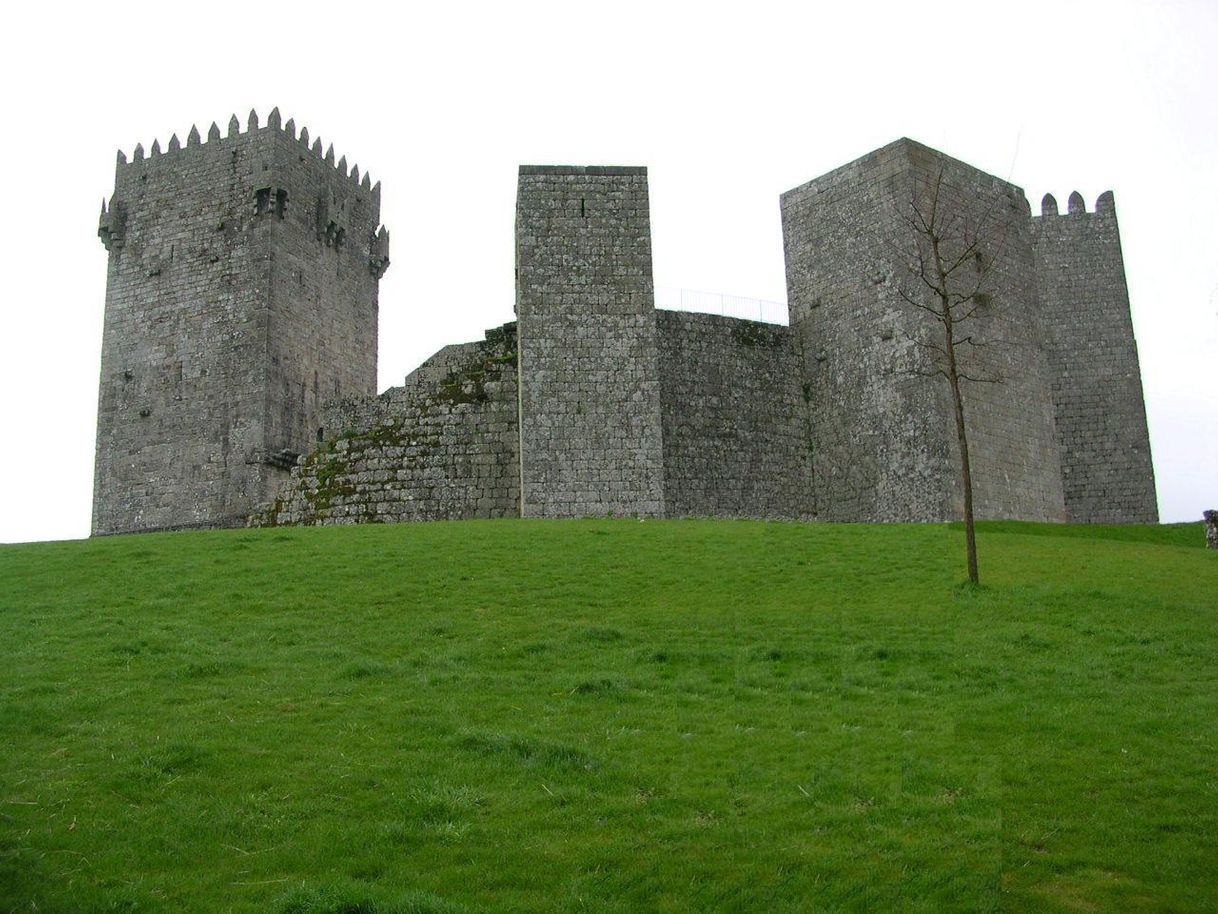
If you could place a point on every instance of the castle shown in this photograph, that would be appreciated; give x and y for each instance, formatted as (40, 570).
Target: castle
(239, 357)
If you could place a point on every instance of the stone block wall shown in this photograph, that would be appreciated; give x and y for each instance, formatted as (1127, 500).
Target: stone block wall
(443, 447)
(880, 449)
(1097, 380)
(884, 433)
(737, 442)
(589, 383)
(181, 409)
(322, 282)
(232, 313)
(351, 414)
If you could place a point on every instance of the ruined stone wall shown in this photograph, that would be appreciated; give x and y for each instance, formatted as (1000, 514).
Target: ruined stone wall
(1097, 381)
(226, 322)
(444, 448)
(589, 384)
(884, 436)
(350, 414)
(735, 419)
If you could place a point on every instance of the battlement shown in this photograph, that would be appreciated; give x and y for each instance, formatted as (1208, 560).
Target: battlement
(276, 170)
(274, 125)
(1105, 205)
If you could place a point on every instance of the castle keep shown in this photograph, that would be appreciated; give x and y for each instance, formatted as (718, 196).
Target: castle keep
(241, 295)
(239, 358)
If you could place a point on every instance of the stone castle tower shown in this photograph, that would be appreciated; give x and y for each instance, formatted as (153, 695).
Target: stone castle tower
(240, 352)
(585, 307)
(241, 295)
(1059, 434)
(1107, 476)
(886, 442)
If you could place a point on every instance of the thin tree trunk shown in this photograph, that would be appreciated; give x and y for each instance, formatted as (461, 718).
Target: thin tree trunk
(970, 532)
(953, 377)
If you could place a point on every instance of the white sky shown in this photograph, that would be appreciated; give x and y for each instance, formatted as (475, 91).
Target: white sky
(728, 104)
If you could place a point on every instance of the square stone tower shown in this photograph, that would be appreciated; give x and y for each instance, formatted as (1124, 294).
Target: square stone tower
(884, 440)
(241, 294)
(590, 434)
(1097, 380)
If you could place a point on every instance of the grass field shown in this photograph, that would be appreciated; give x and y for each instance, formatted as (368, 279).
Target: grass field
(610, 716)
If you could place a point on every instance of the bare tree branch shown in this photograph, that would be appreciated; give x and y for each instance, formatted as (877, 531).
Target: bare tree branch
(944, 243)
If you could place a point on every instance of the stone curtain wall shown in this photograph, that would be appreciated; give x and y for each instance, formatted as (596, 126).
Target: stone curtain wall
(736, 435)
(884, 435)
(353, 414)
(589, 383)
(443, 447)
(1097, 380)
(228, 321)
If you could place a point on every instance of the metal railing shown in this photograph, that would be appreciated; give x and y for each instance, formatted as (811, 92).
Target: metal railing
(753, 309)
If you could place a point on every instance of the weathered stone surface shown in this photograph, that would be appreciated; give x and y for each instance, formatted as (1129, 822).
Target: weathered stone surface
(882, 425)
(239, 299)
(1211, 529)
(444, 446)
(239, 357)
(1097, 382)
(589, 383)
(737, 442)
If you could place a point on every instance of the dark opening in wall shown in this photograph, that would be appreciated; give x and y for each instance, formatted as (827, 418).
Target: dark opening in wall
(266, 202)
(582, 210)
(321, 435)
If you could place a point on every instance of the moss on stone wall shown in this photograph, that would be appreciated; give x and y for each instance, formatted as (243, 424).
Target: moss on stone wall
(442, 449)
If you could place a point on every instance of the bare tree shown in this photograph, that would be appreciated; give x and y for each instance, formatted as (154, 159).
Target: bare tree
(951, 265)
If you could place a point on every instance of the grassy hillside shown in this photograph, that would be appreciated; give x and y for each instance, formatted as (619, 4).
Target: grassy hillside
(610, 716)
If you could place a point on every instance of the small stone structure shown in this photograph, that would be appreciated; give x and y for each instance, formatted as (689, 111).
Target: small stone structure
(240, 349)
(1211, 529)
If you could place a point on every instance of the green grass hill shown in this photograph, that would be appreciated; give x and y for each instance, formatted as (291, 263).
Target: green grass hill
(610, 716)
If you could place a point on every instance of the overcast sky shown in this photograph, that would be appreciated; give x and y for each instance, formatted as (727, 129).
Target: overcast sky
(728, 104)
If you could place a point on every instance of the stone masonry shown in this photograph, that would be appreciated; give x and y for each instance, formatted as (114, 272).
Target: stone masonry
(882, 425)
(1097, 385)
(241, 296)
(443, 446)
(737, 442)
(590, 439)
(240, 351)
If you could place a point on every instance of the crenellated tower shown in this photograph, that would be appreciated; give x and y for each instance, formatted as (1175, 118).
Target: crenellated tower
(241, 295)
(1097, 381)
